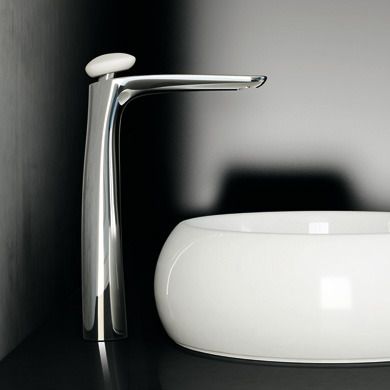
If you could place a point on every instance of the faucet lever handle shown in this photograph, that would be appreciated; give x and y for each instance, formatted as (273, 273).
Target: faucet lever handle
(106, 64)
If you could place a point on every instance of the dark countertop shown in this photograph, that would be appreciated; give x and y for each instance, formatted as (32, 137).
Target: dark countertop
(56, 357)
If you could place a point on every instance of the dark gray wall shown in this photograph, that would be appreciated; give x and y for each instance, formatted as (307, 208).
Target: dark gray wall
(44, 46)
(324, 110)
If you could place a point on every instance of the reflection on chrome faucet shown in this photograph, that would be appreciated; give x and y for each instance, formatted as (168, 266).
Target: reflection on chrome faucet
(104, 316)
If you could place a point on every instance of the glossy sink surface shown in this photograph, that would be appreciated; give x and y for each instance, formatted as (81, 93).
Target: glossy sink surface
(283, 286)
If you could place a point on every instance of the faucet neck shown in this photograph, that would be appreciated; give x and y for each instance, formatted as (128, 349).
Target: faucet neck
(104, 316)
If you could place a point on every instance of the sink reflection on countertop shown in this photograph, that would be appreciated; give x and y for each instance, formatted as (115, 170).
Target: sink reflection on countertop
(56, 357)
(182, 369)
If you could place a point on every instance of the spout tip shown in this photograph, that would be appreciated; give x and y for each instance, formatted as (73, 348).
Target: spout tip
(257, 81)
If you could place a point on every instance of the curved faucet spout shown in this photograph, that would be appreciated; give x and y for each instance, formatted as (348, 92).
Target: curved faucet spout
(137, 85)
(104, 313)
(191, 82)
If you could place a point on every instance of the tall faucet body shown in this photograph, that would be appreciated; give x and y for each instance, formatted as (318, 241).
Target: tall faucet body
(103, 293)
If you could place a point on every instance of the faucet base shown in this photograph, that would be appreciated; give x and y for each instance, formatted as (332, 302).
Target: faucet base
(106, 327)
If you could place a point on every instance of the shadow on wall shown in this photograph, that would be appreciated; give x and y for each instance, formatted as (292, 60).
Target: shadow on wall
(251, 191)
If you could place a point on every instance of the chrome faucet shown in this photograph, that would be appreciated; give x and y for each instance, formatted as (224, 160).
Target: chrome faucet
(104, 311)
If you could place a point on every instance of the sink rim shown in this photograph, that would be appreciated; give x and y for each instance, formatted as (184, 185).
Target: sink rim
(217, 222)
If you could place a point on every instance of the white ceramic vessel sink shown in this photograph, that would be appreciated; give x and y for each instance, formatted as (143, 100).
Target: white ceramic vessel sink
(283, 286)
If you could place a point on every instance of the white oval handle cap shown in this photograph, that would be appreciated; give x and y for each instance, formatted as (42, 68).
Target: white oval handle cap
(109, 63)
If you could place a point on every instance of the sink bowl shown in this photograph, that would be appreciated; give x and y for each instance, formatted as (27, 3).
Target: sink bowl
(310, 287)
